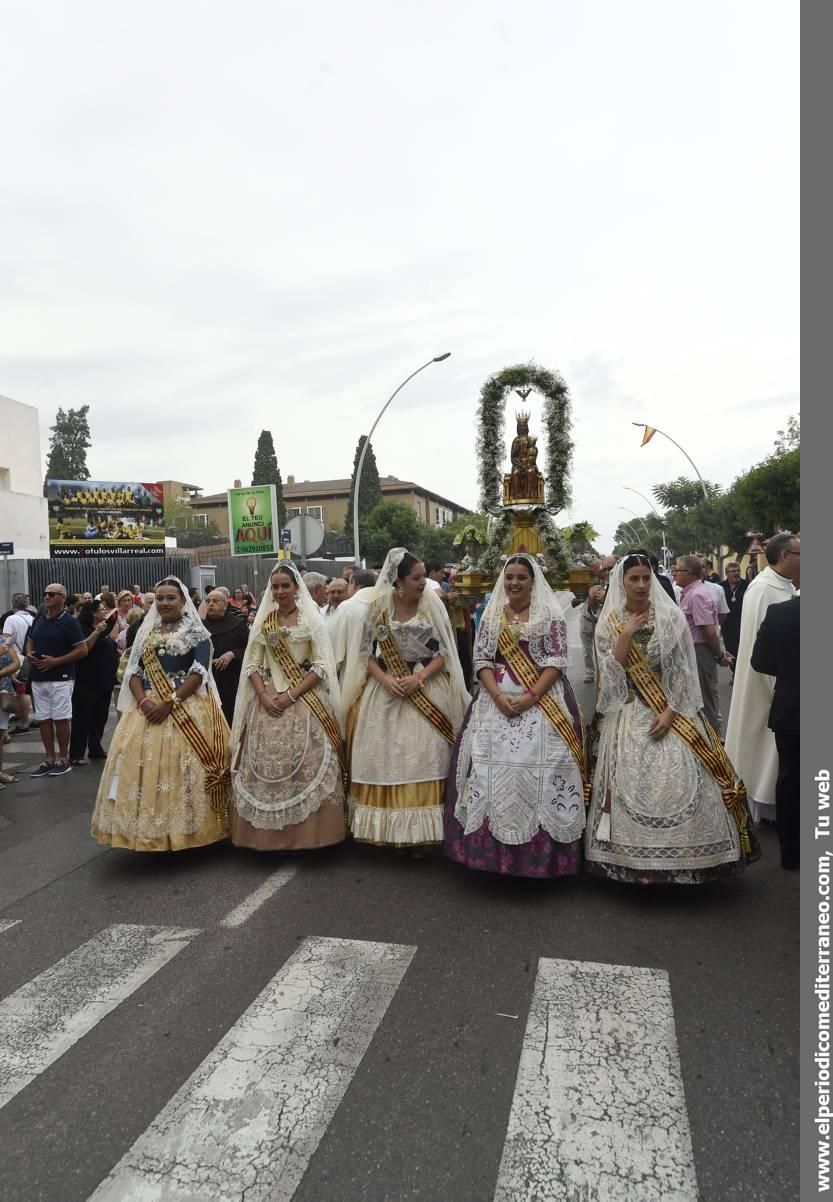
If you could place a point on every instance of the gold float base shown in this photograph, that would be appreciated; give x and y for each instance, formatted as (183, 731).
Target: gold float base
(524, 537)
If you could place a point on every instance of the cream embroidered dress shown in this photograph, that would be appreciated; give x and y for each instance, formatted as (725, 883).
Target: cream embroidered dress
(152, 795)
(287, 786)
(398, 759)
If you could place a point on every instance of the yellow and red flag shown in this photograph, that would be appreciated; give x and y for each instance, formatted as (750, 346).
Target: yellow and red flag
(650, 431)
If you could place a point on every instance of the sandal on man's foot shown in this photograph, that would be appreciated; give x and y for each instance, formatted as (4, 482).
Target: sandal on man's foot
(6, 778)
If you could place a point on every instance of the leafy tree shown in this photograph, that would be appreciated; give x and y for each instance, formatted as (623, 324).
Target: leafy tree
(789, 439)
(180, 524)
(683, 493)
(480, 521)
(693, 523)
(69, 439)
(266, 471)
(437, 542)
(200, 536)
(765, 498)
(370, 490)
(768, 496)
(579, 538)
(390, 524)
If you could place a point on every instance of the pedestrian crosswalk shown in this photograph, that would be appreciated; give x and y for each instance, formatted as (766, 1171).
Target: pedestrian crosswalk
(251, 1116)
(598, 1110)
(45, 1017)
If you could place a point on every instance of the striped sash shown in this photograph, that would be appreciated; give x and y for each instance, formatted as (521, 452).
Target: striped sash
(214, 755)
(294, 673)
(398, 669)
(525, 670)
(710, 752)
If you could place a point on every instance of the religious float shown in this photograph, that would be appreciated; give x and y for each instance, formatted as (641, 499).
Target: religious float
(522, 503)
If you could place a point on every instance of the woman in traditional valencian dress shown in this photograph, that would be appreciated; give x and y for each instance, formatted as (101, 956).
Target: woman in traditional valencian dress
(287, 753)
(165, 784)
(515, 796)
(667, 805)
(405, 697)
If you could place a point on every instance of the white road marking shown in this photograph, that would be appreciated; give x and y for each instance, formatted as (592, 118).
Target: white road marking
(254, 901)
(17, 747)
(49, 1014)
(7, 923)
(599, 1109)
(247, 1121)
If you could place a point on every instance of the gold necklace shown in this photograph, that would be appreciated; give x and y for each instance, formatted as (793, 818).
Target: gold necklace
(515, 620)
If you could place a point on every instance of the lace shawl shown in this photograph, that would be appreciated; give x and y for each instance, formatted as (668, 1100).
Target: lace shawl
(670, 649)
(545, 630)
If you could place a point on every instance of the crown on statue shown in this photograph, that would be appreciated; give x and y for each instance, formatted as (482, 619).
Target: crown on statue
(522, 415)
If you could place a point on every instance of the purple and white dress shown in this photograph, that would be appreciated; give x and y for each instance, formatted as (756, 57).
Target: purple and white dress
(514, 799)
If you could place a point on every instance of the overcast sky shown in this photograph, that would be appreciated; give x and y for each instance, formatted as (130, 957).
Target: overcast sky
(216, 218)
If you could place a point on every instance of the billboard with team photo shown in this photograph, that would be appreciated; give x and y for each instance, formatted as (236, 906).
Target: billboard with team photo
(105, 518)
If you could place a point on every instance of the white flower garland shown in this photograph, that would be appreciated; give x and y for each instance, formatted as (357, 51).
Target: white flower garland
(491, 449)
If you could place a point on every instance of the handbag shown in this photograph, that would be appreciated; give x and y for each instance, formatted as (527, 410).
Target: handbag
(8, 703)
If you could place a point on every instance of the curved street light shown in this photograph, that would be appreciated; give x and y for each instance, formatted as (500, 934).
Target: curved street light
(638, 518)
(645, 426)
(629, 530)
(650, 504)
(658, 516)
(356, 555)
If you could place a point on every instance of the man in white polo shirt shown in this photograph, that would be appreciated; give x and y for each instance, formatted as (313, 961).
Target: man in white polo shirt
(17, 626)
(55, 642)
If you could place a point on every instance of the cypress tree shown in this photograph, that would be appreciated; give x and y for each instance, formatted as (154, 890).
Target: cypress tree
(266, 471)
(370, 490)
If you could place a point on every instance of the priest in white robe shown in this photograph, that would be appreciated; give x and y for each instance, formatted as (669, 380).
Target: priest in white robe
(750, 744)
(349, 618)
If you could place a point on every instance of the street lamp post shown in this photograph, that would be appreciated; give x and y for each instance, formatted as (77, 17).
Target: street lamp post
(356, 555)
(659, 518)
(650, 504)
(629, 530)
(645, 426)
(638, 518)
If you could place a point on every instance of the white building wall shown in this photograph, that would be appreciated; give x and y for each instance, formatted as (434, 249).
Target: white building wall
(23, 512)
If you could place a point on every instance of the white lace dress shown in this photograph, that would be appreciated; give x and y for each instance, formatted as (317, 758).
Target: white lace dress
(515, 800)
(667, 820)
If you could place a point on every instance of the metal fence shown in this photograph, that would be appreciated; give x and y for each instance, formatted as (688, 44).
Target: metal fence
(252, 570)
(88, 574)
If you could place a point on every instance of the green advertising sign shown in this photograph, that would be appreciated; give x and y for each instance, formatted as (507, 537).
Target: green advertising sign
(250, 520)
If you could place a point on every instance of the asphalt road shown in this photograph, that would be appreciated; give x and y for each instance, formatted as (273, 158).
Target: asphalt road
(399, 1062)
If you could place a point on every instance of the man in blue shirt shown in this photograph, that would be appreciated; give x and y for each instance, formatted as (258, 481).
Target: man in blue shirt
(55, 642)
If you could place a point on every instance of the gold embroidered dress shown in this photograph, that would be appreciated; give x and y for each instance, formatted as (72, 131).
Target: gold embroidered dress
(156, 793)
